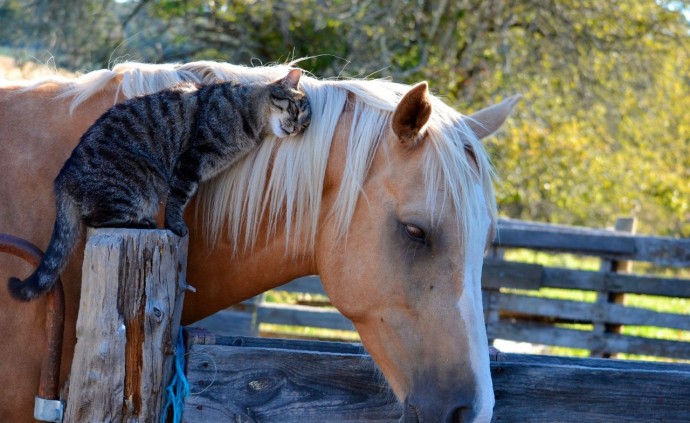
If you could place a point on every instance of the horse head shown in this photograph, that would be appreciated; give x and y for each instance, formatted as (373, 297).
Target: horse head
(408, 271)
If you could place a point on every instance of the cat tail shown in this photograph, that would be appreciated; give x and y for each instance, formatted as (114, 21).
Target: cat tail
(65, 234)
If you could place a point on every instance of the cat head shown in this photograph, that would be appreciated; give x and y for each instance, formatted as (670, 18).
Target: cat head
(290, 112)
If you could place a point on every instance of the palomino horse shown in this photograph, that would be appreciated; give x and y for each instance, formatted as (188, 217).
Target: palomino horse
(388, 196)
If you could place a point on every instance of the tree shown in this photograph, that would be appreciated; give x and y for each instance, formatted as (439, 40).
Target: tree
(602, 130)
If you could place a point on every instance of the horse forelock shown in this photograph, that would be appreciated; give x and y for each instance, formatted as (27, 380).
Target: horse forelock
(235, 202)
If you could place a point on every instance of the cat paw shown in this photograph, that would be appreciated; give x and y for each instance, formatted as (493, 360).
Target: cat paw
(179, 229)
(150, 223)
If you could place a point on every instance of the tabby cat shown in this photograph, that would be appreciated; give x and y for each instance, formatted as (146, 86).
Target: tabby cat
(160, 146)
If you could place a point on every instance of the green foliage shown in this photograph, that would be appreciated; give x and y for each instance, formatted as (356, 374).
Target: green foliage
(602, 130)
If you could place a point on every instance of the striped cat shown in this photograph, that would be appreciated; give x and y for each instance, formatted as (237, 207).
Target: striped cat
(160, 146)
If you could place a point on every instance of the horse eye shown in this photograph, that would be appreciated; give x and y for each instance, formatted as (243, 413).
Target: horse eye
(415, 232)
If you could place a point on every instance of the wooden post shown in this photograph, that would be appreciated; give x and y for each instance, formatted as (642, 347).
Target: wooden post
(133, 284)
(623, 224)
(490, 298)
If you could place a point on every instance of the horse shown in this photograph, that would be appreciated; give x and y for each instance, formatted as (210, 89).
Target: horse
(388, 196)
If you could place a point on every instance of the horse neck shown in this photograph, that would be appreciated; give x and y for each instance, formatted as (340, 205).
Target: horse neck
(223, 278)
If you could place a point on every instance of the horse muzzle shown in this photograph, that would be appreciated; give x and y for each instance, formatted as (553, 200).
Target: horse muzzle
(426, 411)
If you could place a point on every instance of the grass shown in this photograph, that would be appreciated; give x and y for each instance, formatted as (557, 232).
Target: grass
(570, 261)
(304, 332)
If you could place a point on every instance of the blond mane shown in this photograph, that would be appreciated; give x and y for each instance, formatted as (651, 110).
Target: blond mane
(235, 202)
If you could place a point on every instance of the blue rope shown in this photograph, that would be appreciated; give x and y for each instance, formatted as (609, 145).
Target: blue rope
(178, 388)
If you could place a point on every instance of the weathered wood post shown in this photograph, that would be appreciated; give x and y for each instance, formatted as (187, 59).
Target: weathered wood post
(133, 284)
(623, 224)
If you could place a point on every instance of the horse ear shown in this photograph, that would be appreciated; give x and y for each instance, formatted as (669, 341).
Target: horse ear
(292, 78)
(487, 121)
(412, 113)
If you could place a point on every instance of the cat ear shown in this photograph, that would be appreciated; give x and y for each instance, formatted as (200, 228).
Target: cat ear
(292, 79)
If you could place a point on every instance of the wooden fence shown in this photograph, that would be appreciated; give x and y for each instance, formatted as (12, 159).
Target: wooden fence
(133, 287)
(520, 316)
(513, 309)
(290, 381)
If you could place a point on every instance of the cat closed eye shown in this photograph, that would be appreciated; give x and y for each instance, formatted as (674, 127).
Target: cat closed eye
(279, 105)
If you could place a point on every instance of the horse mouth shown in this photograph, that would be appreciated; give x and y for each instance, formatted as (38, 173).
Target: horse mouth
(411, 415)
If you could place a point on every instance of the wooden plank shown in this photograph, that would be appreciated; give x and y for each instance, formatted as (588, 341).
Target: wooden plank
(582, 312)
(287, 385)
(659, 250)
(545, 334)
(551, 394)
(196, 336)
(129, 315)
(650, 285)
(293, 344)
(595, 363)
(200, 336)
(527, 225)
(565, 241)
(663, 251)
(295, 315)
(275, 385)
(647, 346)
(623, 315)
(574, 311)
(506, 274)
(598, 245)
(621, 283)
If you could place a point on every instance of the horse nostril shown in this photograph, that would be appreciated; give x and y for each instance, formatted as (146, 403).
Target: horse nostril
(457, 416)
(441, 412)
(463, 415)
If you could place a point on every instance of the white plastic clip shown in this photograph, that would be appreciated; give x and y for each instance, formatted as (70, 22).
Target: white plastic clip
(48, 410)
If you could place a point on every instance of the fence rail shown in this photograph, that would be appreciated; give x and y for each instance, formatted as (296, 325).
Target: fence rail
(253, 379)
(662, 251)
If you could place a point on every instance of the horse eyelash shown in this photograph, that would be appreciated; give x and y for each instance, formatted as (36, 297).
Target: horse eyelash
(424, 241)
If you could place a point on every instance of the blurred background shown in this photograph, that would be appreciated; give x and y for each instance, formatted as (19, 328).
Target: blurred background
(603, 129)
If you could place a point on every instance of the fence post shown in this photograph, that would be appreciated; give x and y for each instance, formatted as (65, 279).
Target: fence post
(623, 224)
(133, 284)
(490, 298)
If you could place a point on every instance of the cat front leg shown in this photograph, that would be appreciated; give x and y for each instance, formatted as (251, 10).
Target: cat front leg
(174, 208)
(183, 185)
